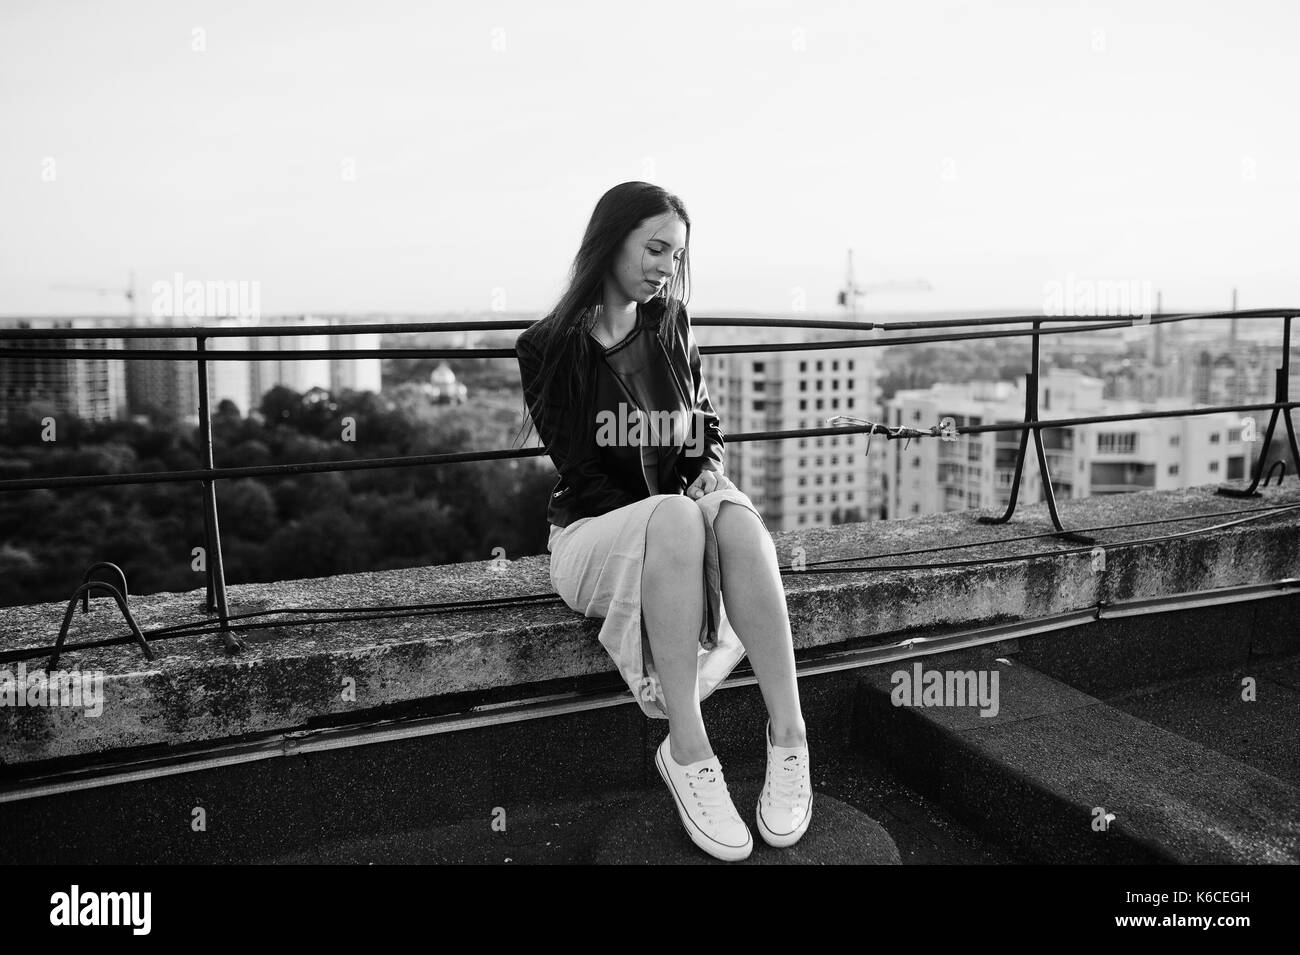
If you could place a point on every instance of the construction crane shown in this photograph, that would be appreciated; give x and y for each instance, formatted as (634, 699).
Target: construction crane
(852, 291)
(128, 293)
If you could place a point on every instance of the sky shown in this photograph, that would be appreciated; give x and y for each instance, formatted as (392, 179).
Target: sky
(401, 156)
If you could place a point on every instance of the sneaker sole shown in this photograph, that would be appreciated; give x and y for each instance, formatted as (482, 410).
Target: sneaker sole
(716, 849)
(782, 841)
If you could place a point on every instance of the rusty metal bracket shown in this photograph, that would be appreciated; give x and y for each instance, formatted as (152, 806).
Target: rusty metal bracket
(84, 592)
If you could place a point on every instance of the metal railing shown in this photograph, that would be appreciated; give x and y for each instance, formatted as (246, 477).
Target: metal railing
(945, 331)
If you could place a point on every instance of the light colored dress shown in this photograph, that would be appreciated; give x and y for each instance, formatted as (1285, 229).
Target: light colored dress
(596, 565)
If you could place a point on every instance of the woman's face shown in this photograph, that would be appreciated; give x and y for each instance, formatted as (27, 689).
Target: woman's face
(650, 257)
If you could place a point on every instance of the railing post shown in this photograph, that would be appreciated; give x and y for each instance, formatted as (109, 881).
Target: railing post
(1281, 390)
(212, 529)
(1031, 417)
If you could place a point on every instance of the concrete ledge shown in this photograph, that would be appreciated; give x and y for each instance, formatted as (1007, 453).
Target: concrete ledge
(292, 677)
(1052, 761)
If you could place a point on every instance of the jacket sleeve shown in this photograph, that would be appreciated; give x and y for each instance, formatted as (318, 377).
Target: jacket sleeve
(713, 455)
(568, 447)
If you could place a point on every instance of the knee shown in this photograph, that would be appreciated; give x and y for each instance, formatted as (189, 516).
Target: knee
(676, 530)
(738, 526)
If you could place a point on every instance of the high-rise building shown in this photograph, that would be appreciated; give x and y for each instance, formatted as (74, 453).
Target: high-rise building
(796, 482)
(171, 386)
(93, 389)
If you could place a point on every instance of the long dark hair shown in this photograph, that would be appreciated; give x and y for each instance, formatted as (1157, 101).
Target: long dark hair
(562, 335)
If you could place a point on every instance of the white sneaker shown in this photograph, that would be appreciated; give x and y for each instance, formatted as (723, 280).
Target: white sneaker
(785, 804)
(700, 794)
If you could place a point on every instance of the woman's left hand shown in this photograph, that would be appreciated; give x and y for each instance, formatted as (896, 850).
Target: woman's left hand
(707, 483)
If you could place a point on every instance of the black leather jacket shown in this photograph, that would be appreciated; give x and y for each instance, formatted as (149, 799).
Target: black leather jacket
(597, 476)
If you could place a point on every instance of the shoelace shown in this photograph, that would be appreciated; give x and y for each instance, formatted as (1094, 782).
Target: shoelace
(711, 793)
(787, 781)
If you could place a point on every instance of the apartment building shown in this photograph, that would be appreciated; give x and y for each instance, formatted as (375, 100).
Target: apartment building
(930, 475)
(798, 482)
(93, 389)
(976, 470)
(173, 385)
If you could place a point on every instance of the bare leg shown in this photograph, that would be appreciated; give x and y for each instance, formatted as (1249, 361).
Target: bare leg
(755, 599)
(672, 598)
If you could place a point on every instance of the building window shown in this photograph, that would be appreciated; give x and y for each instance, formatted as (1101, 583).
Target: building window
(818, 480)
(916, 508)
(803, 366)
(835, 384)
(803, 404)
(803, 385)
(758, 367)
(820, 403)
(849, 403)
(803, 480)
(1214, 467)
(760, 386)
(803, 518)
(1174, 440)
(817, 499)
(1116, 442)
(803, 499)
(1173, 469)
(759, 405)
(835, 366)
(819, 366)
(850, 364)
(835, 458)
(1214, 437)
(1234, 435)
(818, 461)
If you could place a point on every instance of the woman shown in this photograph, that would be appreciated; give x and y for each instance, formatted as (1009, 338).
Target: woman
(646, 531)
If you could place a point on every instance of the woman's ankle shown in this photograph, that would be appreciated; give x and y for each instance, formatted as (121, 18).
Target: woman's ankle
(793, 734)
(689, 754)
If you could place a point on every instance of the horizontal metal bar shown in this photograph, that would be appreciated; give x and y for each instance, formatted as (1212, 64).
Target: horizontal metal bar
(217, 354)
(312, 354)
(307, 741)
(362, 328)
(461, 457)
